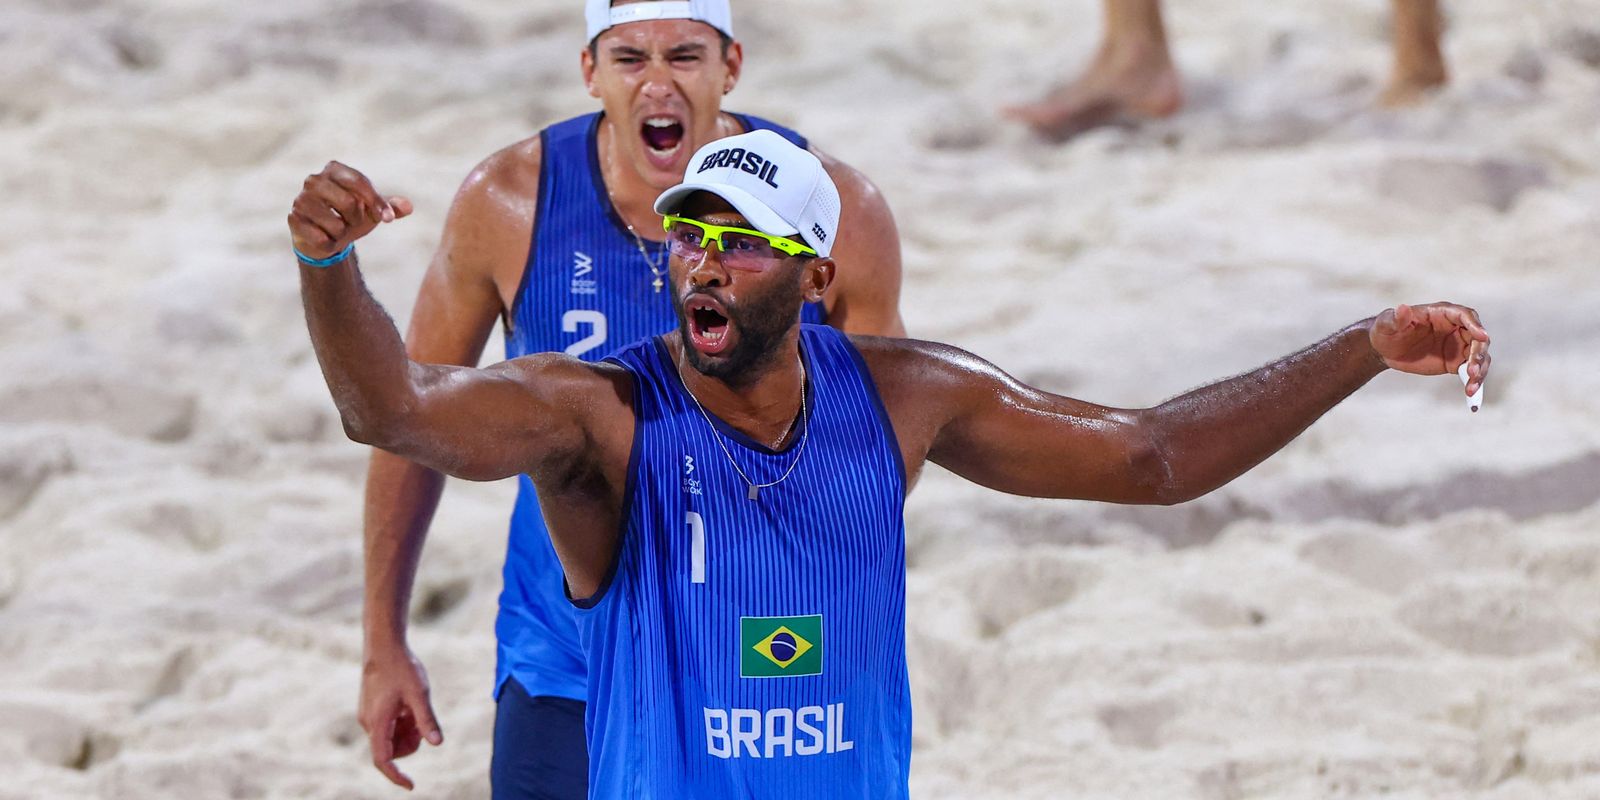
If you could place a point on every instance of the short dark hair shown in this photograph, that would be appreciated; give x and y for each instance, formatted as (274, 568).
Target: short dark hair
(727, 41)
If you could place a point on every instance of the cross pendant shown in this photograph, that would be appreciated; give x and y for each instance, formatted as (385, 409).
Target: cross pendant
(657, 283)
(751, 495)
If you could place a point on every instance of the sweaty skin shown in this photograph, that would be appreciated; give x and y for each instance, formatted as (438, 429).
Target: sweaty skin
(569, 424)
(660, 68)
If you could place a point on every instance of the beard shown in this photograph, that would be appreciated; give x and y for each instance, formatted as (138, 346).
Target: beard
(761, 321)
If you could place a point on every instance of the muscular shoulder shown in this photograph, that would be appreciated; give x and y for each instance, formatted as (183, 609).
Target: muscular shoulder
(505, 183)
(923, 385)
(865, 296)
(856, 190)
(921, 369)
(486, 234)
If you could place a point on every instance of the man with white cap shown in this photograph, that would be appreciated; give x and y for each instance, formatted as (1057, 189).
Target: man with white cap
(727, 499)
(555, 237)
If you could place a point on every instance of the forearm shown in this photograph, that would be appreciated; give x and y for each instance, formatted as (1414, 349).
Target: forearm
(400, 501)
(362, 356)
(1213, 434)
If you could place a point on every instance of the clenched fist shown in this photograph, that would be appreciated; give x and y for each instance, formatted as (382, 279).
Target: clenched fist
(336, 207)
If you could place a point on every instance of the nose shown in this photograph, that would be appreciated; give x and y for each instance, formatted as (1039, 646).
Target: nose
(705, 269)
(658, 84)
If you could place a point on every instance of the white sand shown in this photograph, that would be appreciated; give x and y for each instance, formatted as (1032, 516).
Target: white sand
(1401, 604)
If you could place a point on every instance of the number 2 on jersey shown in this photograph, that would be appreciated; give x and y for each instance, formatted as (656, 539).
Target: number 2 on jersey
(597, 333)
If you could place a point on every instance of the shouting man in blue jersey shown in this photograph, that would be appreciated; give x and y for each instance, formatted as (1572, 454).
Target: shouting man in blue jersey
(726, 499)
(556, 237)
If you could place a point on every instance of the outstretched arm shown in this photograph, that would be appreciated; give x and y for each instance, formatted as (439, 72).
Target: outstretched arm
(514, 417)
(986, 426)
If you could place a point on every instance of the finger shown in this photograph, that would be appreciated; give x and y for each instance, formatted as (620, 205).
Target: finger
(1462, 317)
(406, 739)
(427, 723)
(358, 185)
(342, 201)
(400, 208)
(1477, 367)
(306, 235)
(381, 739)
(317, 213)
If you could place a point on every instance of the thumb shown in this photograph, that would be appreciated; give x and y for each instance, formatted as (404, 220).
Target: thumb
(396, 208)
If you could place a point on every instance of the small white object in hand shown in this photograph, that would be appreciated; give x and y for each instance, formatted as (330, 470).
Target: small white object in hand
(1474, 402)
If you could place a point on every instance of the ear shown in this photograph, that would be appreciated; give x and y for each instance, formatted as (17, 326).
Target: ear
(816, 278)
(586, 62)
(735, 64)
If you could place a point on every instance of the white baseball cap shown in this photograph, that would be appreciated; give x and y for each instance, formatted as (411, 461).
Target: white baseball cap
(780, 188)
(601, 15)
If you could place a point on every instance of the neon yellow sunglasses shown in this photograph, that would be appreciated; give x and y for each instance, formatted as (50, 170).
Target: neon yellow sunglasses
(741, 248)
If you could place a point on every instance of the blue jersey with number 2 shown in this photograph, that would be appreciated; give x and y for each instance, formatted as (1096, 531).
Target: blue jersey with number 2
(586, 291)
(754, 648)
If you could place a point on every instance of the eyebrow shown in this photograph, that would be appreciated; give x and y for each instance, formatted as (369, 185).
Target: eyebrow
(685, 49)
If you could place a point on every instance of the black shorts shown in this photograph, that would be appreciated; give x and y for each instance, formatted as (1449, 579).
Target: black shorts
(539, 748)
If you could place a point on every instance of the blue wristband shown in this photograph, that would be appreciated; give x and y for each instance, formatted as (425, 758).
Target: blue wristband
(336, 258)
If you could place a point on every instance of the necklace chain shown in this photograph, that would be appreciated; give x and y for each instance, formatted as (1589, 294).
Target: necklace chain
(805, 436)
(658, 276)
(653, 263)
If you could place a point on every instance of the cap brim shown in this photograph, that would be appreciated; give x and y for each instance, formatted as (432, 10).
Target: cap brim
(761, 217)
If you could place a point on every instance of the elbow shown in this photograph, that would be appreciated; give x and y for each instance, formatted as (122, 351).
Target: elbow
(1152, 466)
(372, 425)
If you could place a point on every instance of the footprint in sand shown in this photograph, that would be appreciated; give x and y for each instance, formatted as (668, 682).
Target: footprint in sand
(97, 393)
(1373, 560)
(1446, 183)
(1137, 724)
(59, 738)
(1487, 617)
(1005, 591)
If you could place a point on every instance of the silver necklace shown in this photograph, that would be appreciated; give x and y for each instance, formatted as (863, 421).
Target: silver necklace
(653, 263)
(754, 488)
(658, 275)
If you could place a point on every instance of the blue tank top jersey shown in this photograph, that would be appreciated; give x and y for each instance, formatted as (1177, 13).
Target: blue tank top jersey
(586, 290)
(754, 648)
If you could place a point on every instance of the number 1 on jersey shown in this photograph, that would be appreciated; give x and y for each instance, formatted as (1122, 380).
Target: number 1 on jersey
(697, 547)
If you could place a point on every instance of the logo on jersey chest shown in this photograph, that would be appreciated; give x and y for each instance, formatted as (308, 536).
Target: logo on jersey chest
(691, 484)
(583, 281)
(780, 647)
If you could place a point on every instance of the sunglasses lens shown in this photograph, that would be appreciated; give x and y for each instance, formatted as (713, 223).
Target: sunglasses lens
(747, 251)
(685, 240)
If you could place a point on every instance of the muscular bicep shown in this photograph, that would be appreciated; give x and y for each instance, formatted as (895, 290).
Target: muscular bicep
(530, 415)
(989, 428)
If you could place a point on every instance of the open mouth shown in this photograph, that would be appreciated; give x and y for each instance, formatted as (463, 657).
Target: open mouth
(709, 330)
(663, 137)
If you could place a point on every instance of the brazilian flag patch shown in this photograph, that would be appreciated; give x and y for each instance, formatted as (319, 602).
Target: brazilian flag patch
(780, 647)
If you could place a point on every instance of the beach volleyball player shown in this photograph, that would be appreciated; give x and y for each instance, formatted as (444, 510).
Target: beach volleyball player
(555, 236)
(726, 499)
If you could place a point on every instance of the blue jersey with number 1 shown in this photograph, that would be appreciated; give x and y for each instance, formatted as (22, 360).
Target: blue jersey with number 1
(587, 290)
(754, 647)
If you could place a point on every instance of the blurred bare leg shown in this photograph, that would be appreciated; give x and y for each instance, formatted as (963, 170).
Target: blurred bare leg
(1418, 62)
(1131, 77)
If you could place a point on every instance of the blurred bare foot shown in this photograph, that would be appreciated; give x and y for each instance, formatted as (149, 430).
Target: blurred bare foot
(1411, 89)
(1418, 61)
(1125, 82)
